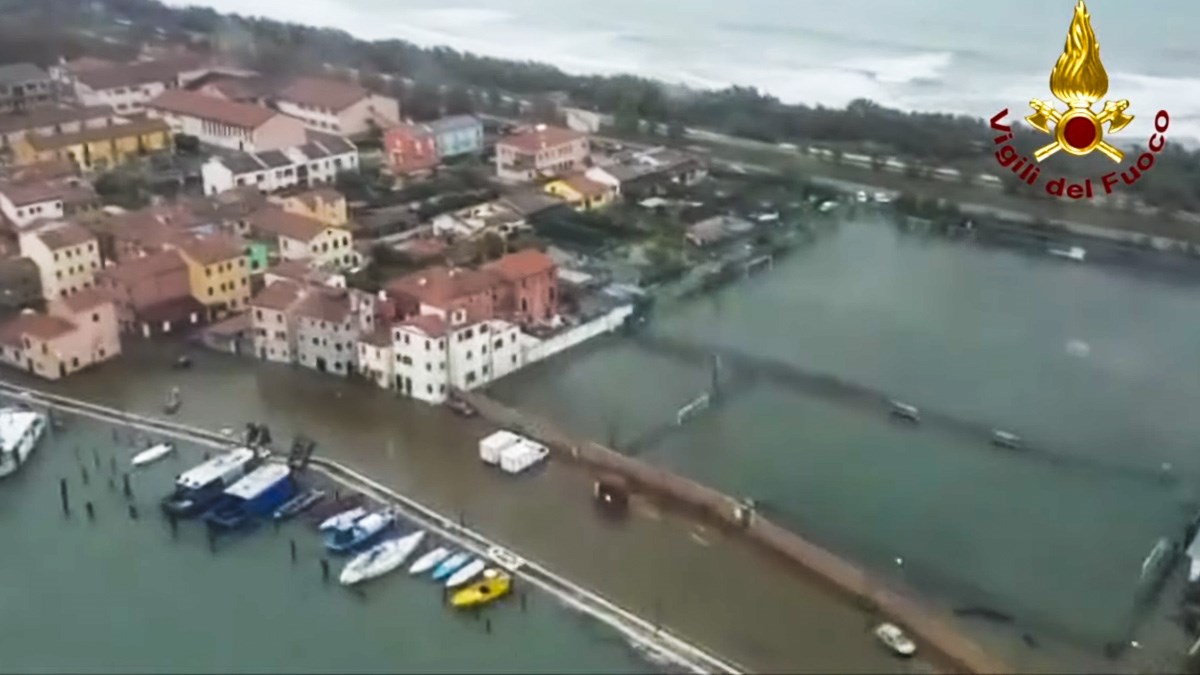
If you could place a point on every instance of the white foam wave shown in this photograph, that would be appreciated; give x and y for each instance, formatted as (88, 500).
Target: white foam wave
(904, 69)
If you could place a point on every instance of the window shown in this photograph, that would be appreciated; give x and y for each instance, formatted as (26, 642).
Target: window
(405, 360)
(316, 342)
(429, 388)
(96, 317)
(210, 291)
(499, 343)
(471, 377)
(485, 370)
(428, 367)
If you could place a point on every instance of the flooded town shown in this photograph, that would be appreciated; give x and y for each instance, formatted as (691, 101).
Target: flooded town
(514, 385)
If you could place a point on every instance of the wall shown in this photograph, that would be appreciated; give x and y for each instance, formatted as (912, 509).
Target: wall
(23, 215)
(273, 335)
(536, 350)
(421, 364)
(131, 99)
(322, 342)
(99, 331)
(277, 133)
(375, 363)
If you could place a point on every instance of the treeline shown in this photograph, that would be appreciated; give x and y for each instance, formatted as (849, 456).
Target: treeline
(433, 81)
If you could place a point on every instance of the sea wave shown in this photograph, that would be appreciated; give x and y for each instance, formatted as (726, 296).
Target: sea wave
(927, 67)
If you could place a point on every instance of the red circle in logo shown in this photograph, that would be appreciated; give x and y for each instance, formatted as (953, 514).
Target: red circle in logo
(1080, 132)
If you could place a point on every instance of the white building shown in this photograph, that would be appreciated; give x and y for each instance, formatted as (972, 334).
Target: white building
(542, 151)
(337, 107)
(67, 257)
(303, 238)
(27, 202)
(127, 87)
(244, 127)
(432, 355)
(375, 360)
(272, 322)
(316, 162)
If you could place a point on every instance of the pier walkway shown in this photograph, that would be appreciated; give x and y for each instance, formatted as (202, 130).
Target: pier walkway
(656, 642)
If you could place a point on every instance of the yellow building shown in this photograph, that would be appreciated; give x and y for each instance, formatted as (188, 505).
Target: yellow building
(217, 273)
(97, 148)
(324, 204)
(581, 192)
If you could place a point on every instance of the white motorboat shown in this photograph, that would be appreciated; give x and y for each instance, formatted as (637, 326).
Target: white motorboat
(153, 454)
(466, 573)
(429, 560)
(505, 558)
(343, 520)
(381, 558)
(20, 430)
(895, 639)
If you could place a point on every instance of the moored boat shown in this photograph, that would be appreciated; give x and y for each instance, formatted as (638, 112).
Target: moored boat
(430, 560)
(343, 520)
(257, 494)
(197, 488)
(321, 512)
(298, 504)
(495, 584)
(152, 454)
(895, 639)
(381, 558)
(20, 431)
(466, 573)
(450, 565)
(362, 532)
(174, 400)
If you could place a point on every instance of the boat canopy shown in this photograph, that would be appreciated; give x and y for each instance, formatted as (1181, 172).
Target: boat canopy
(14, 424)
(258, 481)
(218, 466)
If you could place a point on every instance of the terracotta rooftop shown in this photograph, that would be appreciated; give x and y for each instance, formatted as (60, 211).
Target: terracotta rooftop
(440, 286)
(209, 250)
(298, 270)
(134, 128)
(49, 116)
(323, 93)
(65, 235)
(585, 186)
(431, 325)
(325, 305)
(274, 220)
(99, 76)
(323, 194)
(241, 115)
(31, 192)
(40, 326)
(539, 138)
(86, 299)
(279, 295)
(517, 266)
(133, 270)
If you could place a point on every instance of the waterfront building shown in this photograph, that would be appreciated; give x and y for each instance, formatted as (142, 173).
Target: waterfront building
(375, 357)
(26, 202)
(581, 192)
(97, 148)
(152, 294)
(410, 149)
(311, 324)
(272, 321)
(76, 332)
(24, 86)
(528, 288)
(217, 272)
(318, 161)
(299, 237)
(243, 127)
(337, 107)
(541, 151)
(324, 204)
(67, 257)
(433, 355)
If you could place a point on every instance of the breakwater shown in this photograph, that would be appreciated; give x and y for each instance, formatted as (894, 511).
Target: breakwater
(949, 645)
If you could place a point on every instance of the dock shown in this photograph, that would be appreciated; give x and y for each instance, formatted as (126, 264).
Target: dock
(656, 641)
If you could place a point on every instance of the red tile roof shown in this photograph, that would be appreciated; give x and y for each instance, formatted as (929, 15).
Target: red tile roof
(323, 93)
(24, 193)
(209, 250)
(275, 221)
(99, 76)
(431, 325)
(585, 186)
(241, 115)
(522, 264)
(539, 138)
(49, 116)
(325, 305)
(64, 236)
(40, 326)
(133, 270)
(441, 286)
(278, 296)
(86, 299)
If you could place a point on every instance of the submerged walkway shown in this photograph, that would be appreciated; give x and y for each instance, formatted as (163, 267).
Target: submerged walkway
(654, 641)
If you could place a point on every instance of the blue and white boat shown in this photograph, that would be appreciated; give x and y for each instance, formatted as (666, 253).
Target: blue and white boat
(257, 494)
(362, 532)
(343, 520)
(450, 565)
(199, 487)
(20, 431)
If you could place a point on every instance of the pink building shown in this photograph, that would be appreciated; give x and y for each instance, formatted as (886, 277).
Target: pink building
(410, 148)
(337, 107)
(541, 151)
(152, 294)
(237, 126)
(529, 293)
(80, 330)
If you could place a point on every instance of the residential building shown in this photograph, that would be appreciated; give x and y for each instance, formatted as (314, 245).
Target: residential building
(217, 272)
(20, 284)
(273, 324)
(152, 294)
(581, 192)
(67, 257)
(124, 235)
(410, 149)
(446, 292)
(52, 120)
(494, 216)
(457, 135)
(128, 87)
(314, 163)
(716, 230)
(24, 86)
(337, 107)
(433, 355)
(529, 294)
(244, 127)
(375, 357)
(76, 333)
(643, 171)
(303, 238)
(541, 151)
(324, 204)
(326, 331)
(299, 271)
(97, 148)
(589, 122)
(27, 202)
(242, 88)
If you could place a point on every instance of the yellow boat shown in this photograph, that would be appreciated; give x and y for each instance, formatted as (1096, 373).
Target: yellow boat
(493, 585)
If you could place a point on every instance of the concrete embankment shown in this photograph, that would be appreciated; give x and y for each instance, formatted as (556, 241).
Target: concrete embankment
(654, 641)
(951, 647)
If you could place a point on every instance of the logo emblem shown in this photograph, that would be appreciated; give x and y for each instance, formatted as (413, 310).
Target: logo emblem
(1079, 80)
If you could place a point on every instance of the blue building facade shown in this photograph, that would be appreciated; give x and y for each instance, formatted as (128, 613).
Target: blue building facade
(458, 135)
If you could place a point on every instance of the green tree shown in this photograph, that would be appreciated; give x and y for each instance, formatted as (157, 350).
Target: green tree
(626, 119)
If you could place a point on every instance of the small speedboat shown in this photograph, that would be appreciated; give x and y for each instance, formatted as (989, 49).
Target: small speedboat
(362, 532)
(298, 504)
(895, 639)
(494, 584)
(152, 454)
(429, 560)
(466, 573)
(450, 565)
(381, 558)
(343, 520)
